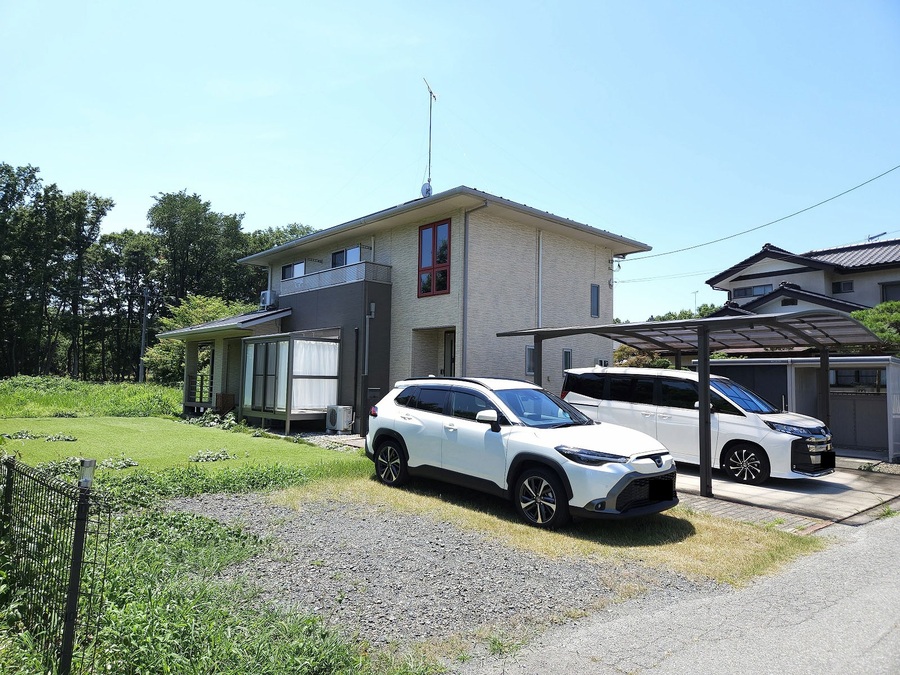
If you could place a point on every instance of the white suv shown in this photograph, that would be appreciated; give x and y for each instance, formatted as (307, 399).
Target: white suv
(513, 439)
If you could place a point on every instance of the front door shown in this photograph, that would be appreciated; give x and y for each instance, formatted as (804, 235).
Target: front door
(449, 353)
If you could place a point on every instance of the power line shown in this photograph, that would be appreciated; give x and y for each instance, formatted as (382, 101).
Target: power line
(759, 227)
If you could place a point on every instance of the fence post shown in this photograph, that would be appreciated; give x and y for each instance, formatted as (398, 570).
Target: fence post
(81, 516)
(6, 514)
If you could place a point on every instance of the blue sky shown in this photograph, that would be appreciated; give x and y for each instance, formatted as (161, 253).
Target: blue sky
(673, 123)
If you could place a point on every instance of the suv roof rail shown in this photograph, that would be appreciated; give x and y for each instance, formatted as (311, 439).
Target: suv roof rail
(432, 378)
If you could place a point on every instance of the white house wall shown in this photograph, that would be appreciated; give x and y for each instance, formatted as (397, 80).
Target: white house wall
(866, 285)
(503, 283)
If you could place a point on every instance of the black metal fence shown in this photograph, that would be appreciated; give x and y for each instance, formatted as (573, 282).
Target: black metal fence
(55, 540)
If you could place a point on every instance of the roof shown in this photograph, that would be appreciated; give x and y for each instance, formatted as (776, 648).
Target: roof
(794, 291)
(868, 254)
(236, 325)
(437, 206)
(813, 328)
(842, 259)
(768, 251)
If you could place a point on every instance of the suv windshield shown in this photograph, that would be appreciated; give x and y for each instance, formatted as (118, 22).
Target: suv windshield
(743, 398)
(538, 408)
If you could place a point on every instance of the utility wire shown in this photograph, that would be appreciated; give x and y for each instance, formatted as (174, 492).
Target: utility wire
(759, 227)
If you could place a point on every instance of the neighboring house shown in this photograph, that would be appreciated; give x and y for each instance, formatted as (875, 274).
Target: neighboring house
(864, 391)
(846, 278)
(417, 289)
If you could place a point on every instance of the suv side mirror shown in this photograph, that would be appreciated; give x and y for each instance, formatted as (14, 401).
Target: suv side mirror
(488, 417)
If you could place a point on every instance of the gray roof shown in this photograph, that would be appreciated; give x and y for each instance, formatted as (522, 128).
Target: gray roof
(441, 203)
(241, 322)
(868, 254)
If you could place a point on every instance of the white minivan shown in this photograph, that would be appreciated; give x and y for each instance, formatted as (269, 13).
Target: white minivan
(751, 439)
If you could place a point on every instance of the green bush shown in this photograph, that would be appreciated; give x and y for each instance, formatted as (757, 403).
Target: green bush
(26, 396)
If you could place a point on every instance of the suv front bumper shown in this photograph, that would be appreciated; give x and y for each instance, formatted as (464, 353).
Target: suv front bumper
(636, 495)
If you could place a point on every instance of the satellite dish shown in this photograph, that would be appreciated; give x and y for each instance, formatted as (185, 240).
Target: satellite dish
(426, 189)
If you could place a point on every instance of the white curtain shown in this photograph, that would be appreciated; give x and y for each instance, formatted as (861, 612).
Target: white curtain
(313, 394)
(281, 377)
(248, 377)
(315, 358)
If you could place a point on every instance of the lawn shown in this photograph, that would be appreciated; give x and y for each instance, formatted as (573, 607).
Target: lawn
(156, 444)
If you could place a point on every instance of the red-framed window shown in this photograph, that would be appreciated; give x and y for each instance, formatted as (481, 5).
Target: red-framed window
(434, 258)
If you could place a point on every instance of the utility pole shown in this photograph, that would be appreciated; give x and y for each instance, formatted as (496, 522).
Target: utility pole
(143, 337)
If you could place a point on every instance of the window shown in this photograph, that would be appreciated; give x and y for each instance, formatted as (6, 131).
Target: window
(347, 256)
(890, 292)
(529, 360)
(434, 259)
(842, 287)
(586, 384)
(567, 359)
(294, 270)
(466, 405)
(432, 400)
(631, 389)
(595, 300)
(678, 394)
(751, 291)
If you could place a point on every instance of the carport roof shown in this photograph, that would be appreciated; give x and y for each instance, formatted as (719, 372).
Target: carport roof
(813, 328)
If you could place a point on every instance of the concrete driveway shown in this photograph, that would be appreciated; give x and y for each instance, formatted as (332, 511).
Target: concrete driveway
(845, 494)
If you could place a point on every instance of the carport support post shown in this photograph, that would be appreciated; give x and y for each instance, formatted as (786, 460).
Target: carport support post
(823, 400)
(703, 401)
(537, 360)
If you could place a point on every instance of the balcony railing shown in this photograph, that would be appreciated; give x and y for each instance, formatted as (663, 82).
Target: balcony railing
(362, 271)
(199, 389)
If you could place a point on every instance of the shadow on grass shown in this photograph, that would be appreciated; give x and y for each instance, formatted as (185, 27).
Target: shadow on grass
(658, 529)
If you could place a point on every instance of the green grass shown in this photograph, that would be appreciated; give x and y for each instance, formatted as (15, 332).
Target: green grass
(155, 444)
(25, 396)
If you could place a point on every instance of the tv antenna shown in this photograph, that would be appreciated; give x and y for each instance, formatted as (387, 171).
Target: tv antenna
(426, 188)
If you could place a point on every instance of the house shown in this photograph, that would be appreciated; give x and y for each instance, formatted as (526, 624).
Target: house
(846, 278)
(864, 390)
(417, 289)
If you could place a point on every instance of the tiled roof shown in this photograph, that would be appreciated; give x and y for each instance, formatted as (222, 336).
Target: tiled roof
(860, 255)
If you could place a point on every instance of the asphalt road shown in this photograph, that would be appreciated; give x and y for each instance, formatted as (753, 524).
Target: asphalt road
(837, 611)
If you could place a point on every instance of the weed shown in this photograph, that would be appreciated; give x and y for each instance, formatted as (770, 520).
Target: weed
(887, 511)
(502, 645)
(210, 456)
(60, 437)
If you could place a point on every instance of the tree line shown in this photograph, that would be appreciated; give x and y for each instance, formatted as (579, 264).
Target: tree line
(72, 300)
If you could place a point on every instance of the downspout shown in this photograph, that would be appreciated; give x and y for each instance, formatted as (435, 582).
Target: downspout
(464, 342)
(540, 280)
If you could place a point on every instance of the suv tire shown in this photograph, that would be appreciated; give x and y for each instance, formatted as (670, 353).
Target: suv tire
(390, 463)
(540, 498)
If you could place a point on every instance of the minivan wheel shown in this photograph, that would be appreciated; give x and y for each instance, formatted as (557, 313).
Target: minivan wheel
(540, 499)
(390, 463)
(746, 463)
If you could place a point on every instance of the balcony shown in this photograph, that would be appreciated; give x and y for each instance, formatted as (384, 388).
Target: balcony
(338, 276)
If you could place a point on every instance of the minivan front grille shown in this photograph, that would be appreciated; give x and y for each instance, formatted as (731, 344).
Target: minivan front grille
(644, 491)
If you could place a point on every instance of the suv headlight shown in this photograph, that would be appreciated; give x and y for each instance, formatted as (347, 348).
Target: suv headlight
(584, 456)
(791, 429)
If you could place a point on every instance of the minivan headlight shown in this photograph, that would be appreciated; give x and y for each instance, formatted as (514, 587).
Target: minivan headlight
(791, 429)
(584, 456)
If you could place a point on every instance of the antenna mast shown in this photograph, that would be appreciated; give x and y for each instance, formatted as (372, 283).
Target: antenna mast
(426, 188)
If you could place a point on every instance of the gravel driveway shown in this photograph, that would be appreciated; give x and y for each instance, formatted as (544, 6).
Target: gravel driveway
(398, 579)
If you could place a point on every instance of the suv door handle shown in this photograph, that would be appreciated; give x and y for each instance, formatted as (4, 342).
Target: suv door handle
(646, 414)
(450, 426)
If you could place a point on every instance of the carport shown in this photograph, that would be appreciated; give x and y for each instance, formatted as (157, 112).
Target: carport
(822, 330)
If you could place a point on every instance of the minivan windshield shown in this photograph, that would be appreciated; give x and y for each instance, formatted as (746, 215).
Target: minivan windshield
(539, 408)
(745, 399)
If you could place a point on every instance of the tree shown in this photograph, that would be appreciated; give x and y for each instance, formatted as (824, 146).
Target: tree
(884, 321)
(165, 360)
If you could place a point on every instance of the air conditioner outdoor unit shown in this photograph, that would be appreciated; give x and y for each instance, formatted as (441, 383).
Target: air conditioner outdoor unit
(268, 299)
(339, 419)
